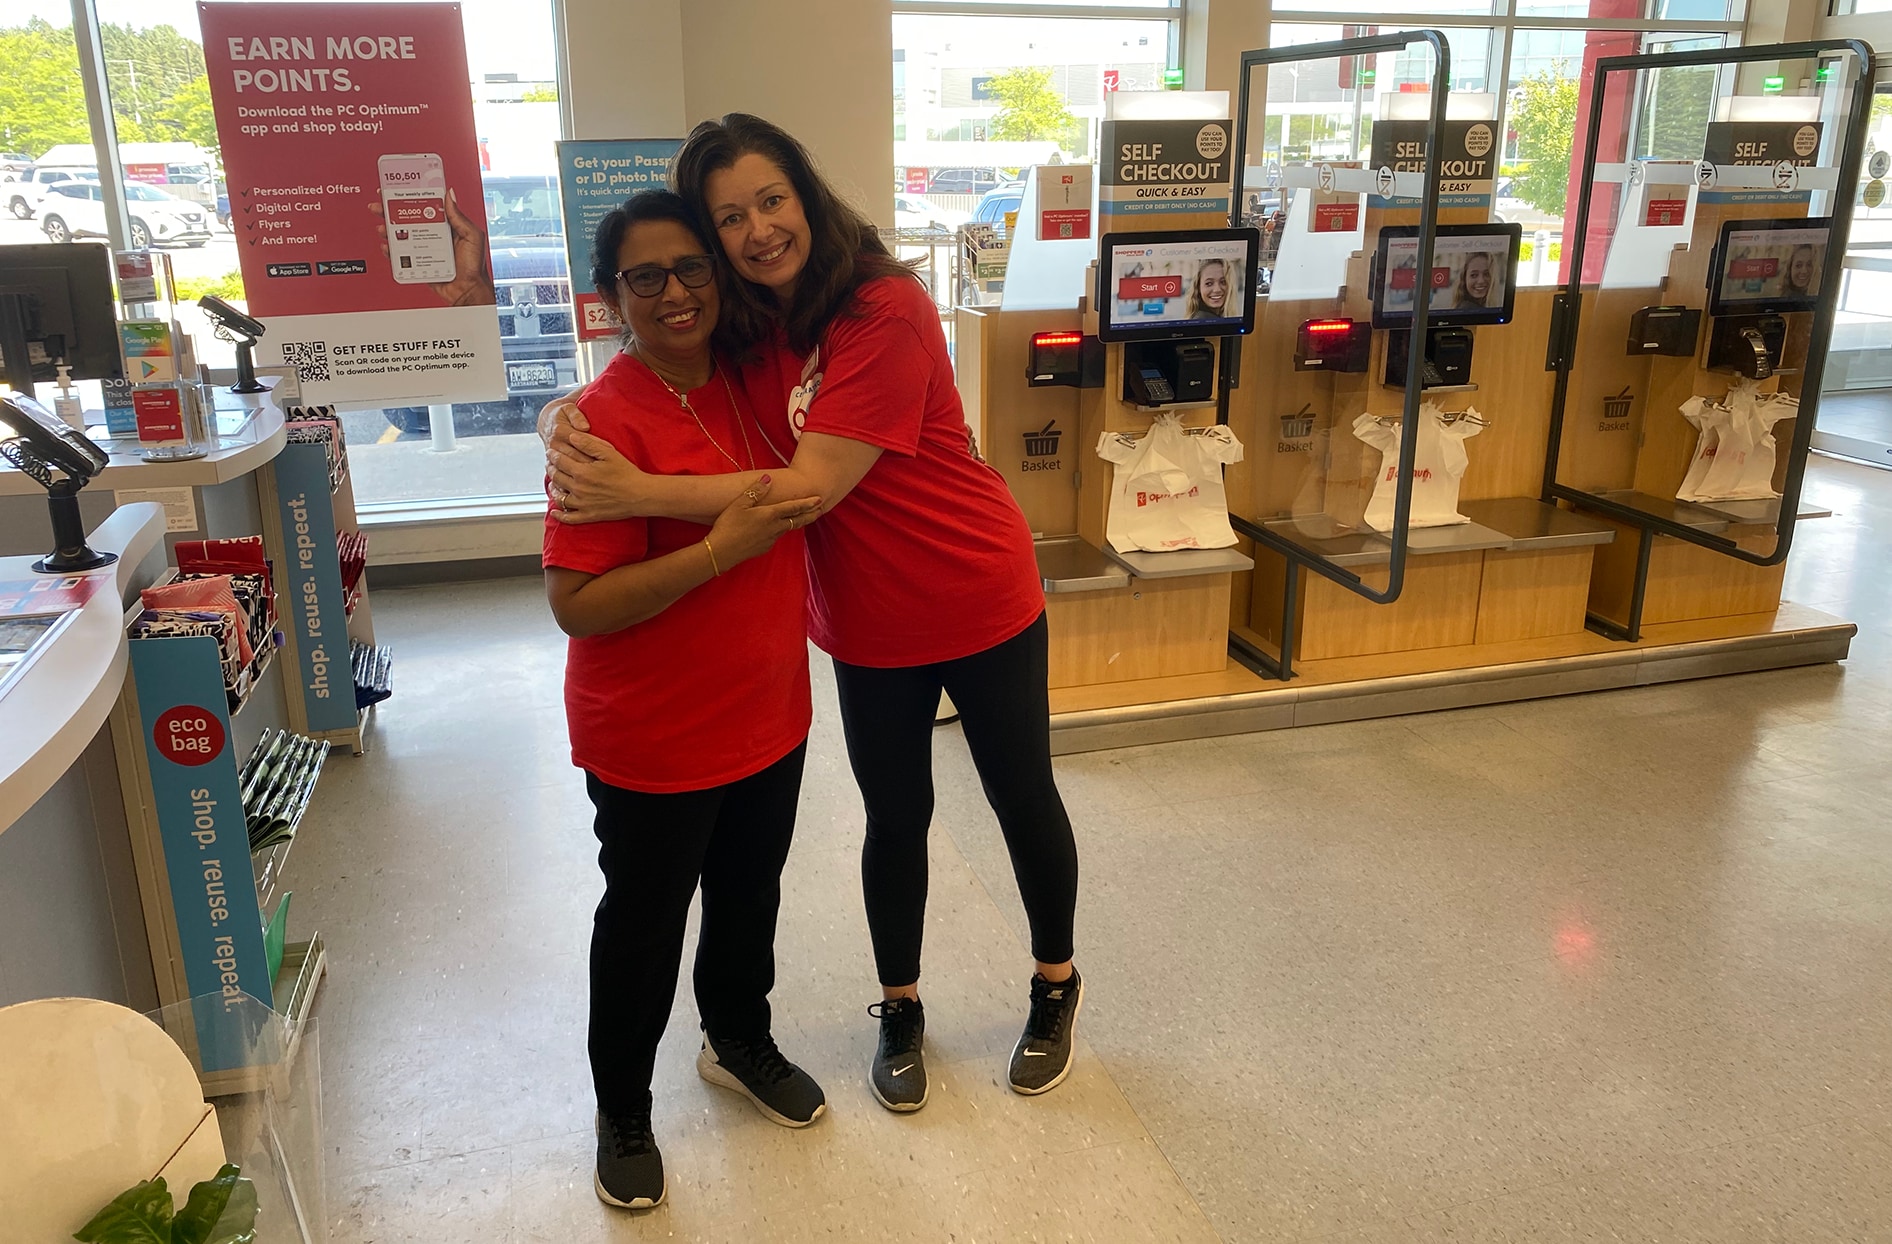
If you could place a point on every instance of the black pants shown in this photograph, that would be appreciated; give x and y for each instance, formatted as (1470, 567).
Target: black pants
(1005, 709)
(654, 849)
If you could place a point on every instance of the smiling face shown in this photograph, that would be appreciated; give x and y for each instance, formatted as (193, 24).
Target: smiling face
(1212, 284)
(673, 325)
(1478, 277)
(760, 223)
(1800, 268)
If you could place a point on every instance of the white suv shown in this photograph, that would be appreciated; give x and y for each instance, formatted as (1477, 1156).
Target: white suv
(77, 210)
(25, 195)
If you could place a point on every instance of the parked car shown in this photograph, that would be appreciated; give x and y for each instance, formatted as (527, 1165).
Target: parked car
(536, 336)
(25, 195)
(223, 207)
(77, 210)
(962, 181)
(999, 202)
(13, 163)
(910, 211)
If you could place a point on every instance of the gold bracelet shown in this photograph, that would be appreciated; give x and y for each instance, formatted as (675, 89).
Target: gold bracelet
(717, 570)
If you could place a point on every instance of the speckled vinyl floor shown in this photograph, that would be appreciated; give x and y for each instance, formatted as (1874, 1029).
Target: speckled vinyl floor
(1615, 967)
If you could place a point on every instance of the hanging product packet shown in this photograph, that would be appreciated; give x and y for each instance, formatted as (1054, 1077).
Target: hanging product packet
(1438, 465)
(212, 593)
(219, 625)
(1167, 492)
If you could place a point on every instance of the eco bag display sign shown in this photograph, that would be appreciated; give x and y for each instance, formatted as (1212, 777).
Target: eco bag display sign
(1167, 492)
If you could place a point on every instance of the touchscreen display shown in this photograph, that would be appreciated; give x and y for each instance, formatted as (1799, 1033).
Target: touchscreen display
(1776, 266)
(1474, 274)
(1177, 285)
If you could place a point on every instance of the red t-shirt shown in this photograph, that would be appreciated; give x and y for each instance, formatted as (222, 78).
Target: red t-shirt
(929, 558)
(715, 687)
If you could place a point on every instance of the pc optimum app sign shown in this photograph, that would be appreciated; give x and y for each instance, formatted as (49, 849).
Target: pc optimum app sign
(1164, 167)
(354, 174)
(594, 176)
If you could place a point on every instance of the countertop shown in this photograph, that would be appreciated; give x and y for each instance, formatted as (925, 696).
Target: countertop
(52, 712)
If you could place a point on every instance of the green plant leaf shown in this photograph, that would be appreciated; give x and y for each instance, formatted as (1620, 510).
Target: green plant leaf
(138, 1215)
(220, 1211)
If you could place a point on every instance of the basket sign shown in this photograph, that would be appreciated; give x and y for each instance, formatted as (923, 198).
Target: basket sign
(1044, 442)
(1616, 411)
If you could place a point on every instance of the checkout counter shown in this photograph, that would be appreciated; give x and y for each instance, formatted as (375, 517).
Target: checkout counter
(1563, 561)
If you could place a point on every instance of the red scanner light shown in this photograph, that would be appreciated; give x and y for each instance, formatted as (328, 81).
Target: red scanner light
(1043, 340)
(1324, 327)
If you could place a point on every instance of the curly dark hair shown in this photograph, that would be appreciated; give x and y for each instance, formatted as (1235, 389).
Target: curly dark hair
(845, 251)
(640, 208)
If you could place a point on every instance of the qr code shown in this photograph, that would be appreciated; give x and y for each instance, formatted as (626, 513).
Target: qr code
(309, 358)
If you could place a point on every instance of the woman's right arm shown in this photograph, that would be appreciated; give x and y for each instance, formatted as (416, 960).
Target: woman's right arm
(598, 604)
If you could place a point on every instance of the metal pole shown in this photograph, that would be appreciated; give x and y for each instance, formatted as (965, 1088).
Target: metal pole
(98, 109)
(440, 427)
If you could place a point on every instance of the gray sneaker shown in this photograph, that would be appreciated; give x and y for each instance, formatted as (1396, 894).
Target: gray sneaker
(630, 1170)
(898, 1077)
(783, 1092)
(1043, 1056)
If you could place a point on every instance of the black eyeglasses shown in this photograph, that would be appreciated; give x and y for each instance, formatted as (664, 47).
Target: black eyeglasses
(648, 280)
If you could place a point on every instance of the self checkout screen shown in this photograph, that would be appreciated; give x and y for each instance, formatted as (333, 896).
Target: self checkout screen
(1474, 275)
(1186, 284)
(1769, 266)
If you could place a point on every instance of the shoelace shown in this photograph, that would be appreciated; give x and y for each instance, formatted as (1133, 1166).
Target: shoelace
(763, 1055)
(1046, 1021)
(628, 1135)
(899, 1026)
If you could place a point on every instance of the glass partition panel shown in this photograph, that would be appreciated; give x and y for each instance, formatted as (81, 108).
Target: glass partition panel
(1702, 277)
(1338, 172)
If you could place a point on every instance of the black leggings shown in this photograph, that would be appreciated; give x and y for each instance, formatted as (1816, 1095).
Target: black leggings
(653, 851)
(1005, 709)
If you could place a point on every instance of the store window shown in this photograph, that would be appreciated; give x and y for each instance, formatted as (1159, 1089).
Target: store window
(178, 202)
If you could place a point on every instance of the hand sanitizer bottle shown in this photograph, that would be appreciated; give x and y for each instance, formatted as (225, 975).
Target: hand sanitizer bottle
(67, 405)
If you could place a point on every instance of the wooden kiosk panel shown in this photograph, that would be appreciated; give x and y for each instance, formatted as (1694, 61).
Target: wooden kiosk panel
(1029, 435)
(1437, 608)
(1686, 581)
(1155, 628)
(1533, 595)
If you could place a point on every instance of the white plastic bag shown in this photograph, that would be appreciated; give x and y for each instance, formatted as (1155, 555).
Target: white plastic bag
(1167, 491)
(1734, 458)
(1710, 419)
(1438, 466)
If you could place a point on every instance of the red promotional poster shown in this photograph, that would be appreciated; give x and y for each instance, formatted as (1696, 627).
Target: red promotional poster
(1337, 217)
(354, 173)
(1665, 212)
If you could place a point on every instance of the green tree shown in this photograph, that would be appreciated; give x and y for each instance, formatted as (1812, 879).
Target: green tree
(42, 102)
(1030, 109)
(186, 116)
(1675, 120)
(539, 95)
(1544, 116)
(145, 68)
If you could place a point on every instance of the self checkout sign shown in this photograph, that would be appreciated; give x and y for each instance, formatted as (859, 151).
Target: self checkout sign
(1785, 147)
(1465, 167)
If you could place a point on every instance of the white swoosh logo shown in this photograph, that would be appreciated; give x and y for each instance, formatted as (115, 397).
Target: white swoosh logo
(1037, 1053)
(900, 1071)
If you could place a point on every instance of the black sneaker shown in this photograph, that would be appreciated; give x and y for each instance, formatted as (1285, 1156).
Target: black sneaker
(1043, 1056)
(899, 1073)
(630, 1173)
(783, 1092)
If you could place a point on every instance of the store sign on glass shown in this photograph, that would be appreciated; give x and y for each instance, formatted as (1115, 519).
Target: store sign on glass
(1466, 168)
(354, 173)
(1783, 147)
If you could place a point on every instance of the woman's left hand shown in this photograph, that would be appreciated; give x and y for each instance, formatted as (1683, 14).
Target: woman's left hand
(592, 482)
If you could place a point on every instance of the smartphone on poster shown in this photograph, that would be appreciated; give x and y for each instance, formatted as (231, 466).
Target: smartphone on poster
(414, 207)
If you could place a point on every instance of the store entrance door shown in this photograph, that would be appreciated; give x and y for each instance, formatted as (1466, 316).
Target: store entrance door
(1855, 416)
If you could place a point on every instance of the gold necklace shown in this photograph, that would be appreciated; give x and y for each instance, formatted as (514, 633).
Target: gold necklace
(747, 450)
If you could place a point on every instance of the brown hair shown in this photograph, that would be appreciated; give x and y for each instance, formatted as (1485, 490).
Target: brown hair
(845, 250)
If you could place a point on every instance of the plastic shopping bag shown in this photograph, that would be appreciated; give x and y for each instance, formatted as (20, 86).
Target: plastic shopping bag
(1710, 418)
(1438, 466)
(1167, 491)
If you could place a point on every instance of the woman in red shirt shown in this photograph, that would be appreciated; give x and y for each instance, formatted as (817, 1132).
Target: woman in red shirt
(686, 693)
(922, 575)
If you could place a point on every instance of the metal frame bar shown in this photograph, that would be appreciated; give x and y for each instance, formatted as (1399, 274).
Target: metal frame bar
(973, 8)
(1349, 17)
(104, 125)
(1852, 146)
(1296, 556)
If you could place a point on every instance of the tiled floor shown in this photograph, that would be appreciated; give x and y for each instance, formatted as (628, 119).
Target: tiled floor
(1616, 967)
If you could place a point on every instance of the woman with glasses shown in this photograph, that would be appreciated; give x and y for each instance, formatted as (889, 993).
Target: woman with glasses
(922, 575)
(686, 694)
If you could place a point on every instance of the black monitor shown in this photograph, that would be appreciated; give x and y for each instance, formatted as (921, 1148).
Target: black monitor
(1474, 274)
(56, 306)
(1178, 284)
(1762, 266)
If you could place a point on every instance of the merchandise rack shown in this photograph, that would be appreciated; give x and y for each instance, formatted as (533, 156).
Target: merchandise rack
(204, 905)
(306, 509)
